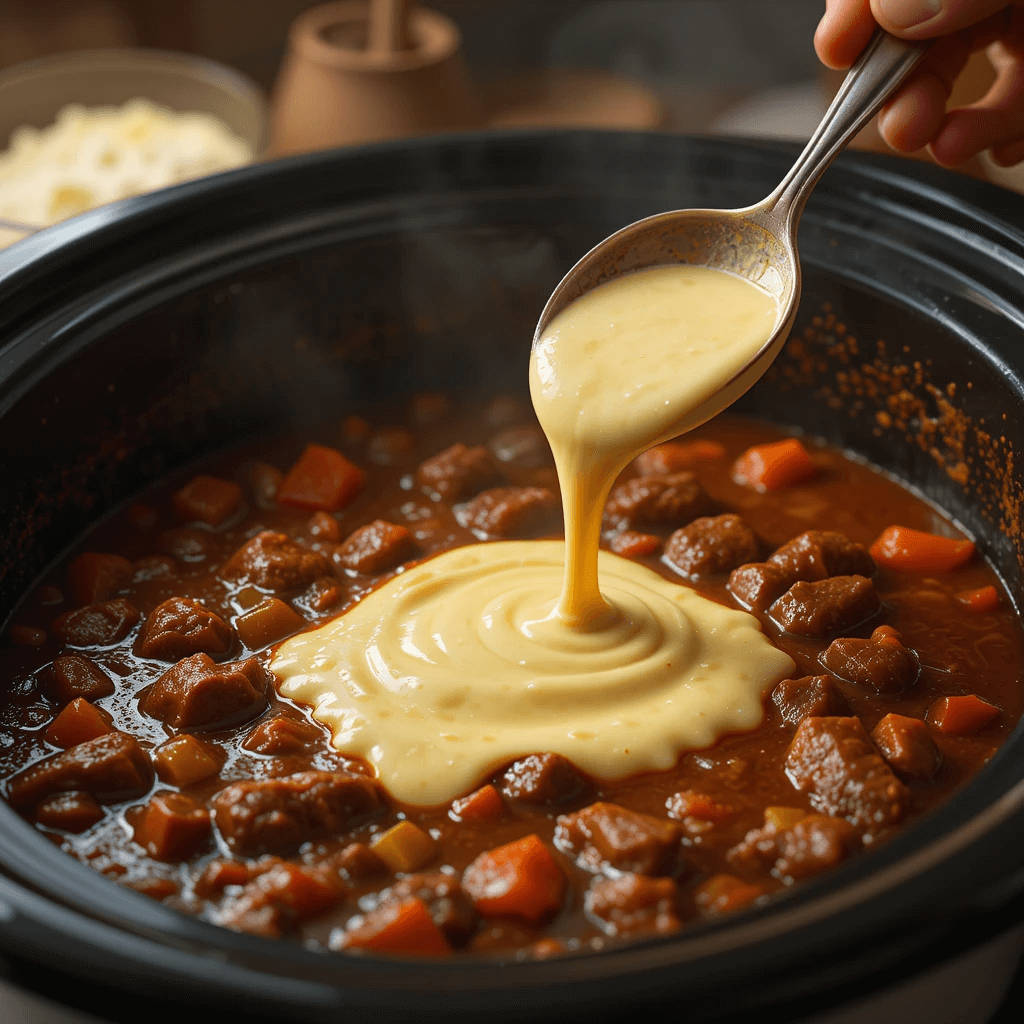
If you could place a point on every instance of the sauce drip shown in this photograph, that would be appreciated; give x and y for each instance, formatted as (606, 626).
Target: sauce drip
(471, 659)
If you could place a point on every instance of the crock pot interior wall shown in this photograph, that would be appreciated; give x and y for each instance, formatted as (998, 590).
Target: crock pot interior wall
(263, 319)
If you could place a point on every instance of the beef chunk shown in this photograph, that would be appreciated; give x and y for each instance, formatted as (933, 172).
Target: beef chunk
(818, 554)
(186, 544)
(180, 627)
(833, 760)
(908, 747)
(711, 545)
(450, 908)
(524, 447)
(71, 676)
(280, 736)
(97, 625)
(429, 408)
(512, 512)
(827, 607)
(543, 779)
(605, 836)
(633, 904)
(95, 577)
(281, 814)
(274, 562)
(812, 845)
(670, 500)
(375, 548)
(208, 499)
(196, 693)
(112, 768)
(798, 699)
(459, 472)
(757, 585)
(72, 812)
(880, 664)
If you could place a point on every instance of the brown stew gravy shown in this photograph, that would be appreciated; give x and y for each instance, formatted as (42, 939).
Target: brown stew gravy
(696, 859)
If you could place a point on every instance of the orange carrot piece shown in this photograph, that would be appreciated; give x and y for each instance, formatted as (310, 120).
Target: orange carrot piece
(322, 478)
(519, 879)
(172, 826)
(958, 716)
(184, 761)
(78, 723)
(631, 544)
(485, 803)
(208, 499)
(770, 467)
(984, 599)
(907, 550)
(674, 456)
(405, 927)
(721, 894)
(690, 804)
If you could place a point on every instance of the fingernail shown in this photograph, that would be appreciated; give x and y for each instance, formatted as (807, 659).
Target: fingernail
(908, 13)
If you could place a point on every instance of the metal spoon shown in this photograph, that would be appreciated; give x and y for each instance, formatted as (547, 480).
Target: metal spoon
(757, 242)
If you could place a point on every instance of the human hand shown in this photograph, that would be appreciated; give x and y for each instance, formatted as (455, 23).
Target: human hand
(917, 115)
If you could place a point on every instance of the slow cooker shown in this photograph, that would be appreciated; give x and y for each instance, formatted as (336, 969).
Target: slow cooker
(140, 335)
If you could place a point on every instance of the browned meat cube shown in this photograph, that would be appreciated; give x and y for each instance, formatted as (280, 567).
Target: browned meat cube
(757, 585)
(196, 693)
(172, 826)
(264, 480)
(450, 908)
(880, 664)
(833, 761)
(278, 899)
(631, 544)
(814, 844)
(282, 814)
(711, 545)
(605, 836)
(390, 445)
(185, 544)
(282, 736)
(670, 500)
(180, 627)
(818, 554)
(153, 567)
(543, 779)
(908, 747)
(72, 812)
(512, 512)
(112, 768)
(97, 625)
(95, 577)
(633, 904)
(459, 472)
(827, 607)
(375, 548)
(274, 562)
(524, 447)
(208, 499)
(71, 676)
(358, 861)
(798, 699)
(428, 408)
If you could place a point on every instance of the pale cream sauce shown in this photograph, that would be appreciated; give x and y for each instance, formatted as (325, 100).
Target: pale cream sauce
(473, 658)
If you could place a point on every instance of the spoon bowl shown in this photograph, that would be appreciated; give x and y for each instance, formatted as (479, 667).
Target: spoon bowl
(756, 242)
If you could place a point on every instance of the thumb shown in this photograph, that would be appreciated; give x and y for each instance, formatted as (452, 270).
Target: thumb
(925, 19)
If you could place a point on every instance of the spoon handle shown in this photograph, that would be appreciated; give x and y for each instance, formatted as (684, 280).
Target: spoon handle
(880, 69)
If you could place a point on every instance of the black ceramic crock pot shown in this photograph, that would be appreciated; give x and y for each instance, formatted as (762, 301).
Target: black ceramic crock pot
(142, 335)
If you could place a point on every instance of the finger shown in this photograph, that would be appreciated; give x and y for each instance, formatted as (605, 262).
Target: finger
(996, 120)
(926, 19)
(843, 32)
(916, 115)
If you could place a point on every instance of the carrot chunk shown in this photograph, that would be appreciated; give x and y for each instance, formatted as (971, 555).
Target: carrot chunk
(405, 927)
(184, 761)
(769, 467)
(485, 803)
(172, 826)
(208, 499)
(95, 577)
(520, 879)
(321, 479)
(79, 722)
(631, 544)
(721, 894)
(984, 599)
(675, 456)
(688, 803)
(270, 620)
(907, 550)
(958, 716)
(405, 847)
